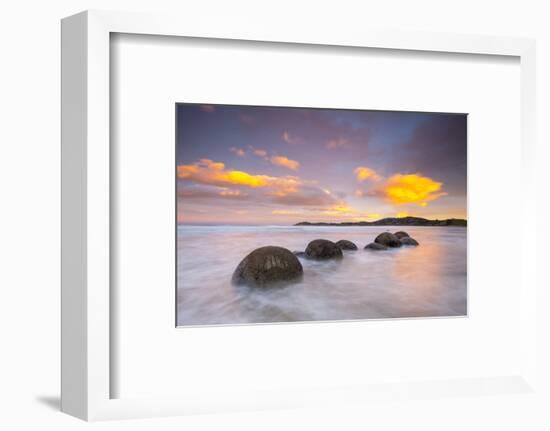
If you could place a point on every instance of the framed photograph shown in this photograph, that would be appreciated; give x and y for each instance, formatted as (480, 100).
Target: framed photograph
(276, 231)
(261, 218)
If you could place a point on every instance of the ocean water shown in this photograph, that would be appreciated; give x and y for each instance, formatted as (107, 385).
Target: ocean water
(424, 281)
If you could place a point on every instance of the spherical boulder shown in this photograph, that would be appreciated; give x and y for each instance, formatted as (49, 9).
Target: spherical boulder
(323, 249)
(407, 240)
(401, 234)
(375, 246)
(266, 266)
(344, 244)
(388, 239)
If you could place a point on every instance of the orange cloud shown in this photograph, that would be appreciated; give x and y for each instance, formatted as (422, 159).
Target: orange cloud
(238, 151)
(241, 178)
(412, 189)
(186, 171)
(218, 166)
(402, 214)
(363, 173)
(206, 171)
(285, 162)
(212, 180)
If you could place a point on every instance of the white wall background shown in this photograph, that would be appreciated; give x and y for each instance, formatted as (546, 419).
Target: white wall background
(29, 211)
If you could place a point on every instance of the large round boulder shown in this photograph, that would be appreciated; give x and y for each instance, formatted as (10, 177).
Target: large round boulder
(388, 239)
(407, 240)
(401, 234)
(266, 266)
(344, 244)
(375, 246)
(323, 249)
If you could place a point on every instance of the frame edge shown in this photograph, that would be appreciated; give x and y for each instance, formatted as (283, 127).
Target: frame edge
(84, 393)
(74, 306)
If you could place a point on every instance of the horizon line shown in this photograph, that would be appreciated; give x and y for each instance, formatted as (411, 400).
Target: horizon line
(318, 222)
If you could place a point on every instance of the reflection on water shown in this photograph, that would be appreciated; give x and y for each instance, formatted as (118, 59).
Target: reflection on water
(429, 280)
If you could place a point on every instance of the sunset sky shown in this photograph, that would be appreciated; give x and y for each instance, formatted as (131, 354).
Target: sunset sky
(265, 165)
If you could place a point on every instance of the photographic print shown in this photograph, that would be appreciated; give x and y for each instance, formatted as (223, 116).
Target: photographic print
(306, 214)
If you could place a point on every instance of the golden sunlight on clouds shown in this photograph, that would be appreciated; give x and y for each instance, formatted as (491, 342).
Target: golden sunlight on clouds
(363, 173)
(212, 165)
(285, 162)
(242, 178)
(206, 171)
(402, 214)
(412, 189)
(373, 216)
(342, 208)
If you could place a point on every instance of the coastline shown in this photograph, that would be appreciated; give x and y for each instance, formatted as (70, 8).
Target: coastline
(393, 221)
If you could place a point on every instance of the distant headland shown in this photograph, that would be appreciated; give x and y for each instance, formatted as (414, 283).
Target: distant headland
(394, 221)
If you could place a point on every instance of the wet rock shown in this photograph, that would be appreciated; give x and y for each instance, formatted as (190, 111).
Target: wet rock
(375, 246)
(266, 266)
(388, 239)
(401, 234)
(323, 249)
(344, 244)
(407, 240)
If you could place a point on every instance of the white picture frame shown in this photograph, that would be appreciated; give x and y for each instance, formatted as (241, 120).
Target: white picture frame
(86, 169)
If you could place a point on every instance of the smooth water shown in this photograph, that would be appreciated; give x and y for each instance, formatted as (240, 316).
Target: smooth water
(428, 280)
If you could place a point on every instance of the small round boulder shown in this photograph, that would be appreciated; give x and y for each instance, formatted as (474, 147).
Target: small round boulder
(407, 240)
(375, 246)
(266, 266)
(388, 239)
(323, 249)
(401, 234)
(344, 244)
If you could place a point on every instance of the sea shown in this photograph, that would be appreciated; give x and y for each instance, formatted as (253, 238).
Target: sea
(429, 280)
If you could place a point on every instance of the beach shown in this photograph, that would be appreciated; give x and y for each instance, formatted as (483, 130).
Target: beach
(424, 281)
